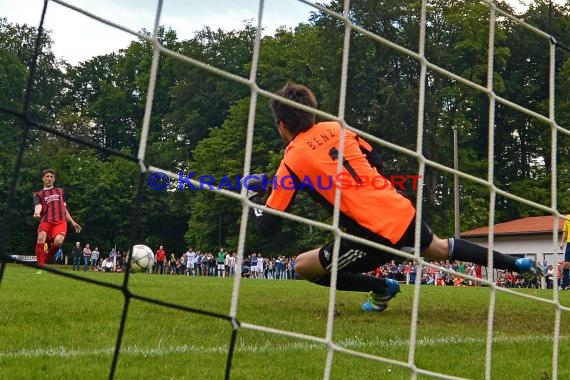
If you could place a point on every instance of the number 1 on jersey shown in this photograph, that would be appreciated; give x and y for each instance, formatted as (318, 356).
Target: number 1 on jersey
(333, 154)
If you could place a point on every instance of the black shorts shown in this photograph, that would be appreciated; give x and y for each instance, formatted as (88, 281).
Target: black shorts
(359, 258)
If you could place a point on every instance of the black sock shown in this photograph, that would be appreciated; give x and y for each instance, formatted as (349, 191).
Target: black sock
(354, 282)
(462, 250)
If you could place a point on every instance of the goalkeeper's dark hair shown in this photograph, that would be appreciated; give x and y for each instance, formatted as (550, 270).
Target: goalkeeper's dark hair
(295, 119)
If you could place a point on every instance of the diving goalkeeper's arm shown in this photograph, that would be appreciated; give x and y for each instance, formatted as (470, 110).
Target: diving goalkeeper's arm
(265, 223)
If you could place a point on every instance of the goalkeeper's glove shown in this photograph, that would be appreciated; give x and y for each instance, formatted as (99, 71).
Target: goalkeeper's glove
(256, 185)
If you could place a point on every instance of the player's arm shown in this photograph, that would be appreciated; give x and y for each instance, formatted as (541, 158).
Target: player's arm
(371, 156)
(265, 223)
(37, 206)
(564, 238)
(69, 218)
(75, 225)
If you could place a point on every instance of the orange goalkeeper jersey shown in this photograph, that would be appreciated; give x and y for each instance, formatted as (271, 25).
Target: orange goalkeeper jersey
(368, 200)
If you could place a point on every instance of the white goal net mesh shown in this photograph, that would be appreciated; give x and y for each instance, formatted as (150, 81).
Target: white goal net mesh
(427, 69)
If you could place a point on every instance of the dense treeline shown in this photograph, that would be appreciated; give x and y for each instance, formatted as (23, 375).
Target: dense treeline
(199, 119)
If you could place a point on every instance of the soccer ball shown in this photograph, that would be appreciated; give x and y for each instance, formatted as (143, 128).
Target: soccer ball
(142, 258)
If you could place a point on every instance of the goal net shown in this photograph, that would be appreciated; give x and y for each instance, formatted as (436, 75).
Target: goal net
(428, 73)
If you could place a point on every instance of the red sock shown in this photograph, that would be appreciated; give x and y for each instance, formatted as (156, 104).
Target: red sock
(51, 251)
(40, 255)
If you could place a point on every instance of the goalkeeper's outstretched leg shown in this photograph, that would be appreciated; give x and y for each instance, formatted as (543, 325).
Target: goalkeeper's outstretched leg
(356, 260)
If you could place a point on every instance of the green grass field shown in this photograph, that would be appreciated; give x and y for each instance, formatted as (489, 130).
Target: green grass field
(56, 327)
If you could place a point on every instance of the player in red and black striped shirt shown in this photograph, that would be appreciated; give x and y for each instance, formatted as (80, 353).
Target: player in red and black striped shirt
(50, 208)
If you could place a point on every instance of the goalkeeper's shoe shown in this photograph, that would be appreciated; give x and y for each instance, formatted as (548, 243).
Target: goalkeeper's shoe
(528, 270)
(379, 301)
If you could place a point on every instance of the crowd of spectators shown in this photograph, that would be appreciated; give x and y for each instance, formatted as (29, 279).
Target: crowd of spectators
(257, 266)
(439, 276)
(92, 260)
(406, 272)
(223, 264)
(190, 263)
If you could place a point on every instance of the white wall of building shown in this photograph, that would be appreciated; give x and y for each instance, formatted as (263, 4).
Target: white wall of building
(538, 246)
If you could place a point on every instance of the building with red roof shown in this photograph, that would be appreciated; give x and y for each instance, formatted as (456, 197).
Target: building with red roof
(537, 237)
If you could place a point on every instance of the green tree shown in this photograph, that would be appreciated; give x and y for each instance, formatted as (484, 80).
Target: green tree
(215, 218)
(200, 100)
(17, 49)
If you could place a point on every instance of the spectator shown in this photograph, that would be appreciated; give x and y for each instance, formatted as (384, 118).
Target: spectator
(77, 256)
(271, 269)
(227, 264)
(253, 266)
(260, 266)
(212, 264)
(94, 258)
(113, 255)
(107, 265)
(160, 257)
(120, 260)
(86, 257)
(232, 264)
(278, 268)
(172, 264)
(246, 268)
(221, 263)
(190, 262)
(181, 265)
(549, 277)
(199, 264)
(510, 280)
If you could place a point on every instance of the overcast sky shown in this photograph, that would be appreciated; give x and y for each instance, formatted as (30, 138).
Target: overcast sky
(78, 38)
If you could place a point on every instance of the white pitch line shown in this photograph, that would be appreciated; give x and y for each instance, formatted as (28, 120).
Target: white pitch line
(267, 347)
